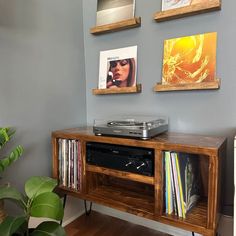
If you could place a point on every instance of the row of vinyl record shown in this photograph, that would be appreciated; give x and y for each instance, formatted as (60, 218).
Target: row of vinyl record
(69, 154)
(182, 182)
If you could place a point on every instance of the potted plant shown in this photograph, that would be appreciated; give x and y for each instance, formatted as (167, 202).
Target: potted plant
(39, 200)
(6, 135)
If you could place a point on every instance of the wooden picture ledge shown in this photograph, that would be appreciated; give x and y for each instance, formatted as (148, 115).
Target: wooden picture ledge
(121, 25)
(193, 86)
(134, 89)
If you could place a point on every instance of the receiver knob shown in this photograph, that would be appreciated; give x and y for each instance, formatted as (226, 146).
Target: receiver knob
(143, 164)
(129, 163)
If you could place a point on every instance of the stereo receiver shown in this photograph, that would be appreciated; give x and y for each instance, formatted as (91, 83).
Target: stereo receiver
(130, 159)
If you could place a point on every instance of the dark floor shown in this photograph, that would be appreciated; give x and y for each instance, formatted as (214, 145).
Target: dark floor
(97, 224)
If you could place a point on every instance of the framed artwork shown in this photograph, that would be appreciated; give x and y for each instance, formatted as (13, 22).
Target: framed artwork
(173, 4)
(190, 59)
(112, 11)
(118, 68)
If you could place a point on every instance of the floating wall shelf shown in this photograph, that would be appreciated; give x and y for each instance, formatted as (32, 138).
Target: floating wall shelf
(211, 5)
(134, 89)
(121, 25)
(193, 86)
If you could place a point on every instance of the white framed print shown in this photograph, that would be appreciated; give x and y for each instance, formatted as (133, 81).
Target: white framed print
(118, 68)
(172, 4)
(112, 11)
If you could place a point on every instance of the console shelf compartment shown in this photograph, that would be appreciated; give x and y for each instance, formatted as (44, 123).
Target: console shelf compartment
(137, 204)
(126, 195)
(197, 216)
(121, 174)
(121, 25)
(196, 220)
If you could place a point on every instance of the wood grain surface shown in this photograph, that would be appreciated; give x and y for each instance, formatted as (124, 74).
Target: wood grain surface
(97, 224)
(141, 195)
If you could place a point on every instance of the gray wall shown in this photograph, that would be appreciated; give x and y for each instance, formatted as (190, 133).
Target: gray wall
(42, 77)
(203, 112)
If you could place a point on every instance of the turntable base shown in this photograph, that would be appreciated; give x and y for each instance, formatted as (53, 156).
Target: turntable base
(143, 128)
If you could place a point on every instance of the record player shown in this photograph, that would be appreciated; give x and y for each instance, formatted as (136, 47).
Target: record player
(138, 127)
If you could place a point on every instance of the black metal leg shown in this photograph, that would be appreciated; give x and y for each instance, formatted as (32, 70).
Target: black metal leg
(64, 204)
(87, 211)
(193, 234)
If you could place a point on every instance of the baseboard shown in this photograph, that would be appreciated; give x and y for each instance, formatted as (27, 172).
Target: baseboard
(73, 209)
(226, 226)
(72, 218)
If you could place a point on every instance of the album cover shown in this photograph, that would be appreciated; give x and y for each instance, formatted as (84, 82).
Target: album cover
(190, 59)
(118, 68)
(172, 4)
(112, 11)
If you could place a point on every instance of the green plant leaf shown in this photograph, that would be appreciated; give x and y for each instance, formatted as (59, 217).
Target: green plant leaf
(47, 205)
(10, 193)
(11, 224)
(4, 138)
(49, 228)
(39, 184)
(10, 132)
(5, 135)
(14, 155)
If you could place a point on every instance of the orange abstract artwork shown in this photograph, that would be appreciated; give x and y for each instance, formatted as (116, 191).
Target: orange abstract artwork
(190, 59)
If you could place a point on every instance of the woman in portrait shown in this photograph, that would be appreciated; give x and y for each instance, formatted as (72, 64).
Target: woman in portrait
(121, 73)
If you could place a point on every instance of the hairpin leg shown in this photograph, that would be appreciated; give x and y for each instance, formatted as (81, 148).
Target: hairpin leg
(193, 234)
(87, 211)
(64, 204)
